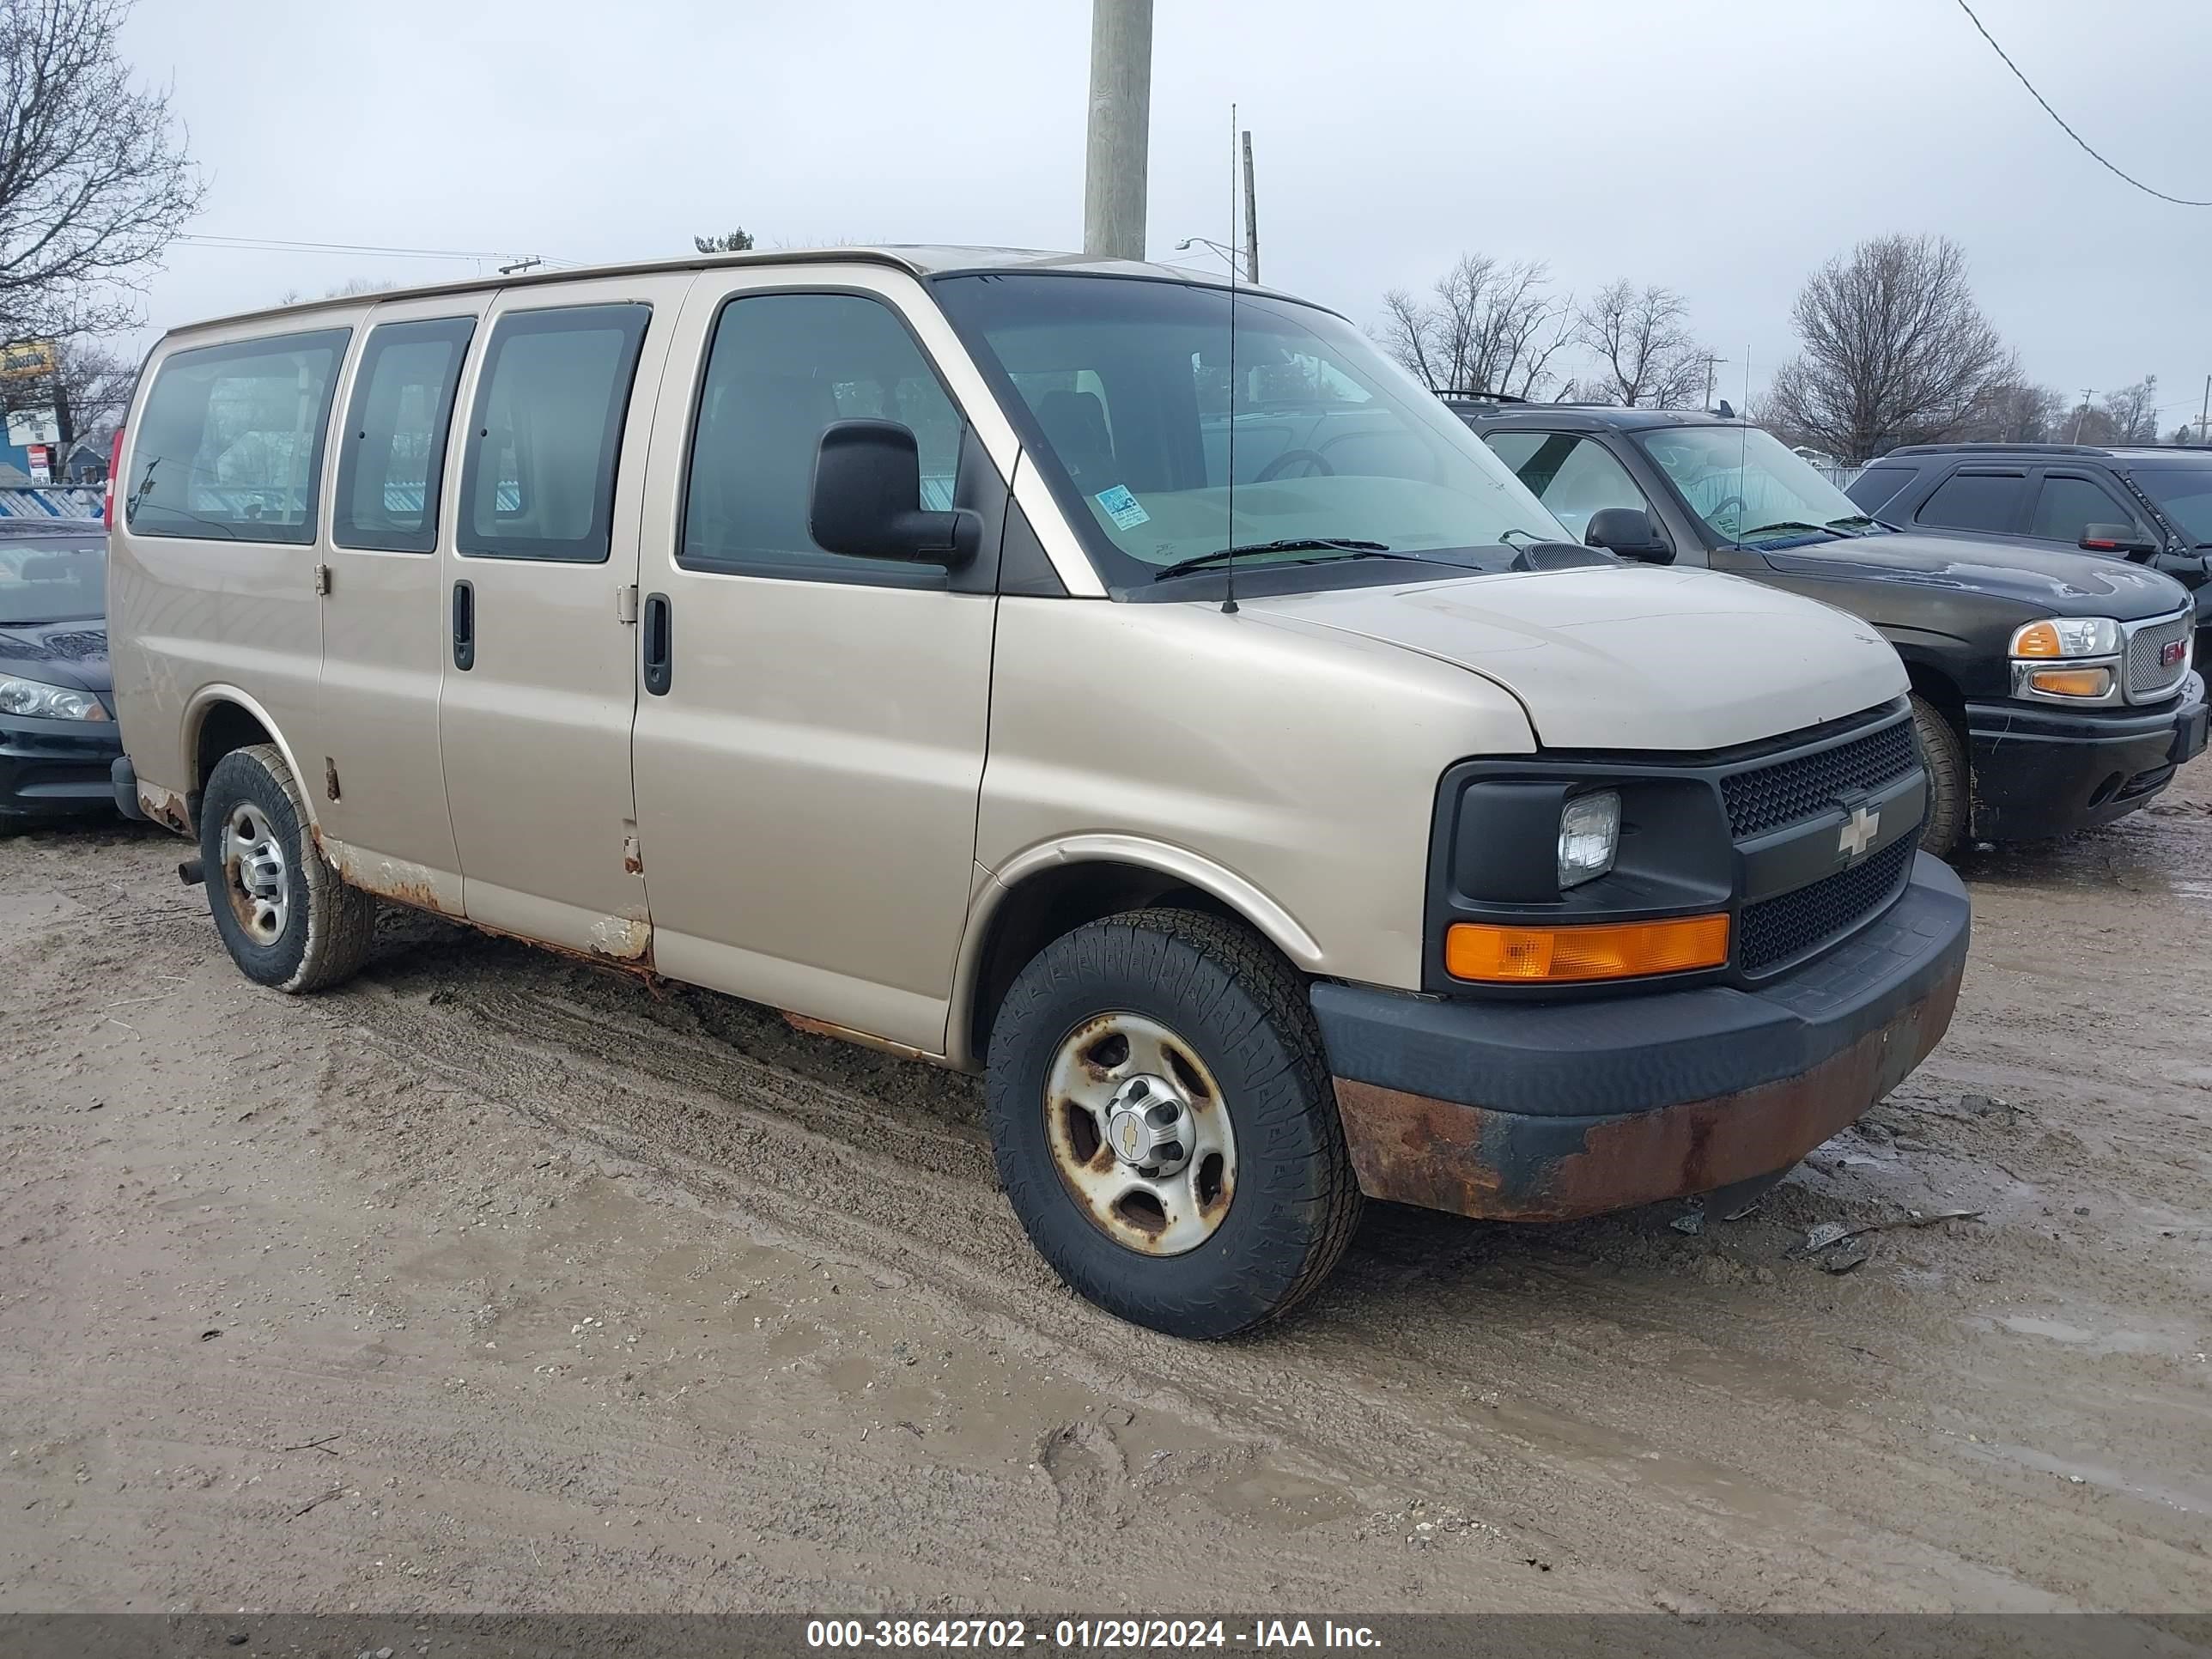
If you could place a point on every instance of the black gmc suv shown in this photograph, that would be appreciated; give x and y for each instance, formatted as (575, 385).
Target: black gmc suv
(2150, 504)
(2052, 689)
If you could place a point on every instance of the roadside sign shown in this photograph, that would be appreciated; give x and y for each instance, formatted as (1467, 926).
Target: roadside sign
(33, 426)
(42, 463)
(27, 358)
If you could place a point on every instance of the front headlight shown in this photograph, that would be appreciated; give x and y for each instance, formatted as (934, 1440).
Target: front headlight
(2067, 636)
(42, 701)
(1590, 834)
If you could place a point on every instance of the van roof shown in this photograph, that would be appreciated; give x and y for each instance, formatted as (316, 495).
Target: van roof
(919, 259)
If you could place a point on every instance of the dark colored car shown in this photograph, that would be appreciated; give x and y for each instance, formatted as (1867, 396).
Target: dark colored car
(2150, 505)
(57, 734)
(2051, 690)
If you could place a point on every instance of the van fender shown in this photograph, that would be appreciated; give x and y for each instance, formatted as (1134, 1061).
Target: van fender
(1185, 867)
(196, 714)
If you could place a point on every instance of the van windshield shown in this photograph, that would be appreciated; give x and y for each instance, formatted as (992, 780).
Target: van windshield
(1123, 389)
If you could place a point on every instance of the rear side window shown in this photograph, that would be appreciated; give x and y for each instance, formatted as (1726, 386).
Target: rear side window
(392, 455)
(2067, 507)
(1977, 501)
(538, 479)
(782, 367)
(229, 445)
(1878, 486)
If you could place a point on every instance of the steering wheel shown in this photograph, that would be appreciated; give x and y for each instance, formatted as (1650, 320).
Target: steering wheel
(1314, 462)
(1721, 510)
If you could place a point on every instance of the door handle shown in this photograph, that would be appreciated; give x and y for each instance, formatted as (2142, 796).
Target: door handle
(656, 644)
(464, 625)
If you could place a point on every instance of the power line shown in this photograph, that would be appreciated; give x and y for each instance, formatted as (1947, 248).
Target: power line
(281, 245)
(2179, 201)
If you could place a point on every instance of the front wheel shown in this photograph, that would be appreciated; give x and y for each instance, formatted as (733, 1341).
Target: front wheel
(1164, 1124)
(1949, 785)
(288, 919)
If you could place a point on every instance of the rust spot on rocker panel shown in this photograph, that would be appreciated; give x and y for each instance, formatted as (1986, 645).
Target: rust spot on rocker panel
(165, 806)
(814, 1027)
(1509, 1166)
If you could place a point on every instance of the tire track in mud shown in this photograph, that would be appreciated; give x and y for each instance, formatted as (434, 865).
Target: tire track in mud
(832, 1171)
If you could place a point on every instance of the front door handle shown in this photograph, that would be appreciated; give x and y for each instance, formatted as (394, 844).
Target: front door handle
(464, 625)
(656, 644)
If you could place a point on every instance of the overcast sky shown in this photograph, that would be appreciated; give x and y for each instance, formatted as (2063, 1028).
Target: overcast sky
(1723, 147)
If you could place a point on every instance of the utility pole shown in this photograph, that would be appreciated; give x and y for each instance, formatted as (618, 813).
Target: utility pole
(1713, 361)
(2204, 415)
(2082, 413)
(1251, 216)
(1114, 160)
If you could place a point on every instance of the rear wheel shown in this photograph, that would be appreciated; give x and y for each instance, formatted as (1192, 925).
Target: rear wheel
(286, 917)
(1944, 754)
(1165, 1126)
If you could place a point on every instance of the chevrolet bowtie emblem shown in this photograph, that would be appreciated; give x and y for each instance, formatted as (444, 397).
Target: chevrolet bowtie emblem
(1859, 831)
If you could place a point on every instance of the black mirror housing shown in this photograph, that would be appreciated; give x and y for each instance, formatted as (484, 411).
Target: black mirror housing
(867, 479)
(1629, 533)
(2123, 539)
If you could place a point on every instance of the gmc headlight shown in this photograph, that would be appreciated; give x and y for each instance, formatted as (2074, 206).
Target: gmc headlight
(2066, 636)
(2067, 659)
(38, 700)
(1590, 834)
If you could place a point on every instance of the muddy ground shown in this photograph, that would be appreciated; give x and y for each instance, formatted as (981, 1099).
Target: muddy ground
(495, 1281)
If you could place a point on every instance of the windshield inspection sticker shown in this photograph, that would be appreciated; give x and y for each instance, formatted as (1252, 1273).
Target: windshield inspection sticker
(1122, 507)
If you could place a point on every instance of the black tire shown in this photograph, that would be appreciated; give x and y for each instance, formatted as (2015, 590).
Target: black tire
(1949, 787)
(325, 927)
(1227, 996)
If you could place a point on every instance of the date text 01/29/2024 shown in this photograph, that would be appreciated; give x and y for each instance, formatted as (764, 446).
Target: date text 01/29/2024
(1087, 1635)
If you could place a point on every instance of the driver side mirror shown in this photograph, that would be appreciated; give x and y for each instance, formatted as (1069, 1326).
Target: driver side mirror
(1629, 533)
(2123, 539)
(867, 479)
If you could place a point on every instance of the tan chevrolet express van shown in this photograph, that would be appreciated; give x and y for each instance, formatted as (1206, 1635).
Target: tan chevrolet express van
(992, 657)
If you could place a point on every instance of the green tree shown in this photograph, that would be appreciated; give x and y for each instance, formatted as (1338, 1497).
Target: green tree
(737, 242)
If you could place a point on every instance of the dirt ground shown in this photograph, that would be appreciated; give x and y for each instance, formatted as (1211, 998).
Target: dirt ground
(495, 1281)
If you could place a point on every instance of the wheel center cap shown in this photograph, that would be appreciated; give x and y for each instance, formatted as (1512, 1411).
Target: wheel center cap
(1147, 1126)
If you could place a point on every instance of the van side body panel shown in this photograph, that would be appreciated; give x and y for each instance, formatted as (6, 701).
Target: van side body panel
(1303, 769)
(189, 614)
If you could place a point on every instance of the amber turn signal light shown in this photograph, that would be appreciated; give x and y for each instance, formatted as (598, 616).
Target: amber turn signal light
(1612, 950)
(2038, 639)
(2072, 682)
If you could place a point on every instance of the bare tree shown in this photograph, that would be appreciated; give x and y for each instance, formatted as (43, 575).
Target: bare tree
(92, 385)
(2021, 412)
(2132, 413)
(1641, 338)
(94, 180)
(1895, 350)
(1486, 324)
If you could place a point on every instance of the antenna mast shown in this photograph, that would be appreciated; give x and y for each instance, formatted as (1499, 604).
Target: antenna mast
(1229, 565)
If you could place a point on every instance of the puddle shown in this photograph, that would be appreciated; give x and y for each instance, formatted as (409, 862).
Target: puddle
(2074, 1336)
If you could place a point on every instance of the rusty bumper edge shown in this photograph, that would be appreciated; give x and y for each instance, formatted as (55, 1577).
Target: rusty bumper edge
(1516, 1166)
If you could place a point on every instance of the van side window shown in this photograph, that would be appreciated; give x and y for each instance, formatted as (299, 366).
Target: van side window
(229, 445)
(392, 455)
(781, 368)
(537, 481)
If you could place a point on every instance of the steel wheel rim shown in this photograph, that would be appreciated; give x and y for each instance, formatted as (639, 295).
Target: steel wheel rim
(254, 874)
(1139, 1134)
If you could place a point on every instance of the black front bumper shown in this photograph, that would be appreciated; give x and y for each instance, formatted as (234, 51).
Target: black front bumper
(1541, 1111)
(57, 768)
(2041, 771)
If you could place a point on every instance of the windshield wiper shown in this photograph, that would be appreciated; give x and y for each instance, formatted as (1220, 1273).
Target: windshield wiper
(1854, 519)
(1797, 527)
(1287, 544)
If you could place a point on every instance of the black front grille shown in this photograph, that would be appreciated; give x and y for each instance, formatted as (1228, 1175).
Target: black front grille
(1801, 787)
(1780, 929)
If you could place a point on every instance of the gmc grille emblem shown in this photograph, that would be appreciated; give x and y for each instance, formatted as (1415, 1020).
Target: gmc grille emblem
(1859, 831)
(2170, 655)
